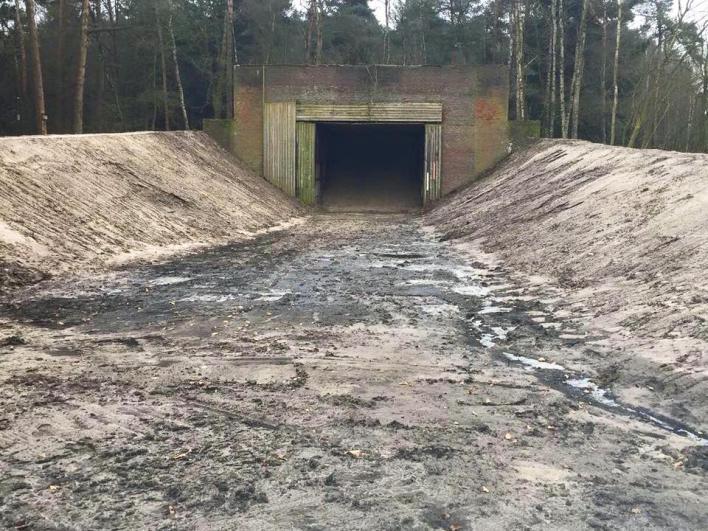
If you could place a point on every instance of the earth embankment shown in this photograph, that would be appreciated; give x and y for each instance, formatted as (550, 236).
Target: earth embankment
(70, 203)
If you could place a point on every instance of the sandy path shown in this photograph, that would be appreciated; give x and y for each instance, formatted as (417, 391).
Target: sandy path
(351, 372)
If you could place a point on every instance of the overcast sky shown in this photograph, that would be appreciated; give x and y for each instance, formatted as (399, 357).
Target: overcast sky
(699, 11)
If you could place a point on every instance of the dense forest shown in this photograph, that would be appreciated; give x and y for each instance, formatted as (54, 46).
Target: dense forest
(627, 72)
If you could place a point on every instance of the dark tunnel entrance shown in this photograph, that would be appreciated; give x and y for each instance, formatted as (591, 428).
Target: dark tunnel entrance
(371, 167)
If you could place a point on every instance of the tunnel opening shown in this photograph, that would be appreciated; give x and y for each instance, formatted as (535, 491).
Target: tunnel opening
(370, 167)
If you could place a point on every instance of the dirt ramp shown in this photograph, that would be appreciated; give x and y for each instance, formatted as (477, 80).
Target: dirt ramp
(623, 231)
(90, 200)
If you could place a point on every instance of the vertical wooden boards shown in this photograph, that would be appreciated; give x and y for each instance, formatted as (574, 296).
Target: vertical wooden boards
(279, 145)
(306, 162)
(432, 180)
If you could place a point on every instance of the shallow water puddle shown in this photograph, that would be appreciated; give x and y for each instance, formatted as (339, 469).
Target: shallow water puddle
(583, 387)
(169, 280)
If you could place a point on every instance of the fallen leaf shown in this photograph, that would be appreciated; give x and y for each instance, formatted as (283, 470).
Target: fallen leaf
(281, 453)
(183, 454)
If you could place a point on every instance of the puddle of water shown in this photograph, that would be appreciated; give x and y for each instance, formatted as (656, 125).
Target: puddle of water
(512, 298)
(602, 397)
(494, 309)
(462, 273)
(208, 298)
(424, 282)
(531, 363)
(401, 255)
(111, 291)
(167, 280)
(272, 296)
(487, 340)
(474, 291)
(440, 309)
(501, 332)
(593, 390)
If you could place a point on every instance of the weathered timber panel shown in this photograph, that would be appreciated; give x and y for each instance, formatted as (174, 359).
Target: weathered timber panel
(370, 112)
(279, 145)
(306, 186)
(433, 163)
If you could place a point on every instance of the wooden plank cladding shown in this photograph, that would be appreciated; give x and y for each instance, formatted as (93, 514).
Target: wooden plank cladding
(279, 145)
(370, 112)
(433, 161)
(306, 185)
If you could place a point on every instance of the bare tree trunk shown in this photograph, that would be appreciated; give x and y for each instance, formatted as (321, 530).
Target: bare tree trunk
(704, 125)
(163, 66)
(554, 67)
(603, 74)
(319, 12)
(497, 51)
(657, 78)
(510, 60)
(113, 19)
(615, 88)
(230, 59)
(689, 126)
(519, 23)
(222, 99)
(423, 40)
(551, 75)
(309, 34)
(22, 92)
(561, 69)
(81, 70)
(154, 93)
(114, 89)
(37, 81)
(22, 51)
(59, 114)
(101, 72)
(314, 33)
(178, 77)
(387, 28)
(578, 69)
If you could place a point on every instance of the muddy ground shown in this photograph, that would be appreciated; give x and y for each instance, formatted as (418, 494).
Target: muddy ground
(353, 372)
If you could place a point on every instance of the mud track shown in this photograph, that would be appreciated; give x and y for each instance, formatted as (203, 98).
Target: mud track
(352, 372)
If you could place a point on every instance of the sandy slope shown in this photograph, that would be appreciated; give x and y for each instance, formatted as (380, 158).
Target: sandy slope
(78, 201)
(625, 232)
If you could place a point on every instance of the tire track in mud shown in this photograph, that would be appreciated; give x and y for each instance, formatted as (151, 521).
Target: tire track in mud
(343, 374)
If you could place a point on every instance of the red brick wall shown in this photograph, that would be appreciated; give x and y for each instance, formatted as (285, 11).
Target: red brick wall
(474, 99)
